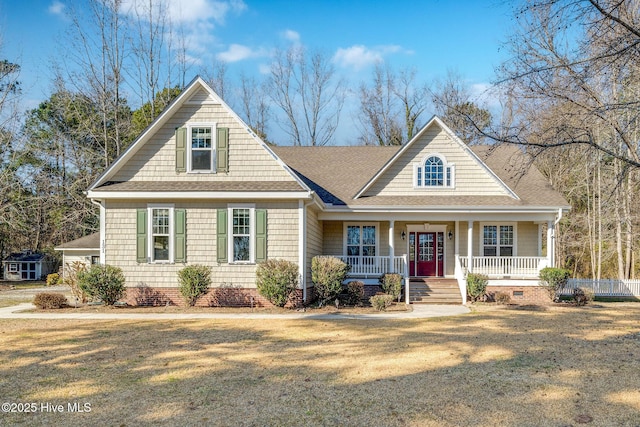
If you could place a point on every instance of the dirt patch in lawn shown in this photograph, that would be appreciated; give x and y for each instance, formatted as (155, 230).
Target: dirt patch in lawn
(497, 366)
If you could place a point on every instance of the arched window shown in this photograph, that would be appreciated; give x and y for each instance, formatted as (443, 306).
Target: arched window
(434, 172)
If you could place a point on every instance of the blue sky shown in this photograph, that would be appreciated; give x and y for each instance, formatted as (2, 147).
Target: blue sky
(432, 36)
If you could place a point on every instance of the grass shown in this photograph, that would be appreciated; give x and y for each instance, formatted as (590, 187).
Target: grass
(498, 366)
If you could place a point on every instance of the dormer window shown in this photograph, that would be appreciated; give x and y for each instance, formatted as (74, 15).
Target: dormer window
(434, 172)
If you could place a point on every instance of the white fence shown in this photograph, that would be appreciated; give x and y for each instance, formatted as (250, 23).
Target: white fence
(605, 287)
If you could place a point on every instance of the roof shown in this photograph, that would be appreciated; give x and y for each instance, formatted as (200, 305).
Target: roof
(26, 256)
(92, 241)
(337, 174)
(201, 186)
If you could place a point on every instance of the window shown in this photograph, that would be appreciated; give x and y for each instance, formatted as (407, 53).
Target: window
(241, 234)
(498, 240)
(95, 260)
(201, 149)
(361, 240)
(13, 267)
(434, 172)
(28, 270)
(201, 143)
(161, 234)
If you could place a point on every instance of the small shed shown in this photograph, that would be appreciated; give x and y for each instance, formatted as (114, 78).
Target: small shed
(85, 250)
(28, 265)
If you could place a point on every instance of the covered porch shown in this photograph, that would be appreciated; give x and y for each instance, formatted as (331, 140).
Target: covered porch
(501, 249)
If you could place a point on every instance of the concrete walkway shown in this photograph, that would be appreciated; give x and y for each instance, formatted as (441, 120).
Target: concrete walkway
(420, 311)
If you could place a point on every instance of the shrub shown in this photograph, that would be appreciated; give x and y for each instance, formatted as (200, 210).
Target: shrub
(381, 301)
(392, 284)
(71, 273)
(553, 280)
(583, 296)
(277, 280)
(194, 282)
(355, 292)
(503, 298)
(48, 300)
(103, 282)
(53, 279)
(476, 285)
(327, 274)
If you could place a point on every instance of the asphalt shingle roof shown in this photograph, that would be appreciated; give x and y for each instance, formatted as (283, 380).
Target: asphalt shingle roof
(338, 173)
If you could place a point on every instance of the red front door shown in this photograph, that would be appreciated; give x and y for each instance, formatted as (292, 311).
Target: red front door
(426, 256)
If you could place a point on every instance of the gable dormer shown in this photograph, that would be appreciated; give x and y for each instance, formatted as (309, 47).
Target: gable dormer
(435, 162)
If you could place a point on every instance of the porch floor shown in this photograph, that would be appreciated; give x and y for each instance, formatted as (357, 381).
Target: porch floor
(434, 290)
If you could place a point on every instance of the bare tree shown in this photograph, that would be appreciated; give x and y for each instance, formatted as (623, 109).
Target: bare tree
(379, 116)
(453, 103)
(304, 86)
(255, 105)
(565, 54)
(413, 98)
(216, 76)
(98, 49)
(148, 48)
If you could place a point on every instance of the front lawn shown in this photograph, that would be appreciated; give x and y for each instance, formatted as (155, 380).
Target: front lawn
(497, 366)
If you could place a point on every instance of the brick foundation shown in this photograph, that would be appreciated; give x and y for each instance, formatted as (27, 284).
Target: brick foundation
(529, 294)
(216, 297)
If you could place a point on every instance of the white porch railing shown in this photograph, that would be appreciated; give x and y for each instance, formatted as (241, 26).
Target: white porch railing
(605, 287)
(374, 266)
(502, 266)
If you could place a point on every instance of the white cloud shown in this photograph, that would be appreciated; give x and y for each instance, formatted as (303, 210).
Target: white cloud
(238, 52)
(292, 36)
(264, 69)
(56, 8)
(359, 56)
(188, 11)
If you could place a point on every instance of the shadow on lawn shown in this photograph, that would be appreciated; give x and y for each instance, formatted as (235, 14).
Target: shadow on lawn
(503, 367)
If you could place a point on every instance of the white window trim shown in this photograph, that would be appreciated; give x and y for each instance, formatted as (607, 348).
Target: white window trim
(360, 224)
(13, 267)
(214, 144)
(252, 232)
(446, 166)
(150, 208)
(515, 236)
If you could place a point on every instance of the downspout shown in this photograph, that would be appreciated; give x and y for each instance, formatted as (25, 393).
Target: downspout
(103, 230)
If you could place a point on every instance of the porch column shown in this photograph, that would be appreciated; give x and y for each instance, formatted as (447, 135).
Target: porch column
(470, 246)
(456, 240)
(391, 245)
(551, 227)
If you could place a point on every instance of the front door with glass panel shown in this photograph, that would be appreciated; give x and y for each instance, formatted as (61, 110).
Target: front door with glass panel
(426, 254)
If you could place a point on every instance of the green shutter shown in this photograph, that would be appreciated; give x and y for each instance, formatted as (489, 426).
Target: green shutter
(222, 150)
(222, 236)
(261, 235)
(180, 230)
(181, 149)
(141, 234)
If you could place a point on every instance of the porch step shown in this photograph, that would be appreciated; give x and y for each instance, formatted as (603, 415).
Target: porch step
(434, 291)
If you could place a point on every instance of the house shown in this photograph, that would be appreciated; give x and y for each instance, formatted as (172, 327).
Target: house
(85, 250)
(27, 265)
(199, 187)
